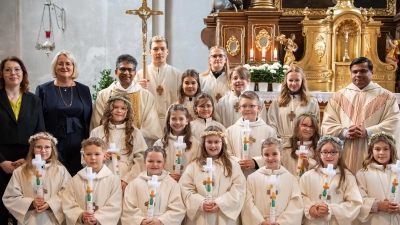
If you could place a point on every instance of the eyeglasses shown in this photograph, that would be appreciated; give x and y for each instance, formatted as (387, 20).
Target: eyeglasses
(329, 153)
(305, 126)
(123, 69)
(248, 106)
(213, 142)
(40, 148)
(9, 70)
(218, 56)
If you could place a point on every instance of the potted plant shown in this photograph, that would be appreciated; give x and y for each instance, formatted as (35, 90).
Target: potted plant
(277, 75)
(105, 81)
(259, 76)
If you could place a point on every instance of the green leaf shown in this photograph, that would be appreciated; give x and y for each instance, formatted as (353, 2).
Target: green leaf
(105, 81)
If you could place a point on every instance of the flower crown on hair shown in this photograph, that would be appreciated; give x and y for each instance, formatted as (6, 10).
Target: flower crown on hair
(309, 114)
(331, 138)
(208, 133)
(45, 136)
(117, 97)
(381, 134)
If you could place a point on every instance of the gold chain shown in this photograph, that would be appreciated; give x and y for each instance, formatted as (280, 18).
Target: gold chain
(62, 98)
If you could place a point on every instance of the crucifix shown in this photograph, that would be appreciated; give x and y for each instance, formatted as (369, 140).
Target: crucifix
(291, 115)
(144, 12)
(236, 106)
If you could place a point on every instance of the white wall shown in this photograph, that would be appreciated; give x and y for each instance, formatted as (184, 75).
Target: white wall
(98, 31)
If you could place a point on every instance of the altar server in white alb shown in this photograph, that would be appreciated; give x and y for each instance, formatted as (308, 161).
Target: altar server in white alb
(162, 80)
(168, 205)
(228, 106)
(293, 100)
(215, 80)
(286, 199)
(305, 133)
(142, 100)
(177, 124)
(23, 197)
(189, 90)
(215, 198)
(118, 128)
(330, 191)
(249, 105)
(104, 194)
(376, 181)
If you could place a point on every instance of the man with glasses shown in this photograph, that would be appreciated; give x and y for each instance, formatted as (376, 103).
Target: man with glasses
(143, 104)
(162, 80)
(359, 110)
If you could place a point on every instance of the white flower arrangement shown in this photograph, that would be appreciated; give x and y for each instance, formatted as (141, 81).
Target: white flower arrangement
(274, 73)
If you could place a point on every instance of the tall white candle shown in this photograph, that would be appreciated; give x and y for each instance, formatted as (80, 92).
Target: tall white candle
(328, 175)
(153, 184)
(246, 130)
(395, 181)
(263, 54)
(272, 184)
(251, 55)
(209, 168)
(180, 147)
(300, 166)
(38, 163)
(89, 176)
(275, 54)
(114, 157)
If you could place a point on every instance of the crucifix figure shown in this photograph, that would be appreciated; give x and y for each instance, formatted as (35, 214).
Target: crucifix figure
(291, 115)
(144, 12)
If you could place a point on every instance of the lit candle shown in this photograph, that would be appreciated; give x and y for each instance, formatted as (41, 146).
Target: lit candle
(114, 156)
(251, 55)
(395, 181)
(180, 146)
(246, 130)
(153, 184)
(300, 165)
(263, 54)
(275, 54)
(328, 175)
(38, 163)
(209, 168)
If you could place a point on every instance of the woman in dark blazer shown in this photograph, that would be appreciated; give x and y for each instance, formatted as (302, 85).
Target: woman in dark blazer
(67, 108)
(21, 117)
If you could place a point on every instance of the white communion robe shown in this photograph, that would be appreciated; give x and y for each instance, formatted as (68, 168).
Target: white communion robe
(169, 79)
(375, 184)
(259, 131)
(130, 166)
(290, 163)
(374, 107)
(278, 117)
(168, 207)
(227, 192)
(344, 205)
(228, 111)
(107, 196)
(215, 87)
(20, 194)
(188, 155)
(289, 205)
(143, 105)
(199, 125)
(189, 104)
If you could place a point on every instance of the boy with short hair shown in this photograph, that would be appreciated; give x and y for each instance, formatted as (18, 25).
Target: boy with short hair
(249, 105)
(106, 190)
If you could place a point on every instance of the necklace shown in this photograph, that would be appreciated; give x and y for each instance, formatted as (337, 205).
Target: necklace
(65, 88)
(12, 98)
(62, 98)
(382, 183)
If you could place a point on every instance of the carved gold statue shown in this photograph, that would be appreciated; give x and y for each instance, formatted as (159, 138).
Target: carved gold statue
(290, 47)
(392, 50)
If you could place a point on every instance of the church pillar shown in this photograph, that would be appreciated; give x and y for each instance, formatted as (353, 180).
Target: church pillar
(262, 4)
(158, 27)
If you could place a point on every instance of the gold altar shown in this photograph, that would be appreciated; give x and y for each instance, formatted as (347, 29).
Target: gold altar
(327, 39)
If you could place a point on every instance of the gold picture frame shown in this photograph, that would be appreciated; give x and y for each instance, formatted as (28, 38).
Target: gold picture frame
(232, 46)
(263, 40)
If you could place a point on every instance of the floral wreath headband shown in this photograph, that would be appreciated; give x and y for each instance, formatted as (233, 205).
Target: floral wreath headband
(45, 136)
(208, 133)
(330, 138)
(309, 114)
(381, 134)
(117, 97)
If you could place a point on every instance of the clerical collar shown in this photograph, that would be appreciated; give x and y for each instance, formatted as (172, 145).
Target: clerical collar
(217, 74)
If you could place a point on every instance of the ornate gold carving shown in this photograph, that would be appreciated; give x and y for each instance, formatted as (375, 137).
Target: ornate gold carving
(135, 100)
(343, 77)
(390, 10)
(232, 46)
(263, 40)
(320, 47)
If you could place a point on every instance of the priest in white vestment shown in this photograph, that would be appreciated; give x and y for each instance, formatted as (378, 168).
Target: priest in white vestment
(143, 103)
(162, 80)
(359, 110)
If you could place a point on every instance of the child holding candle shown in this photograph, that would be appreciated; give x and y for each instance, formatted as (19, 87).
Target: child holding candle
(288, 204)
(343, 197)
(306, 133)
(206, 116)
(21, 198)
(168, 207)
(189, 89)
(106, 192)
(118, 128)
(177, 124)
(228, 106)
(293, 100)
(249, 105)
(228, 184)
(375, 180)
